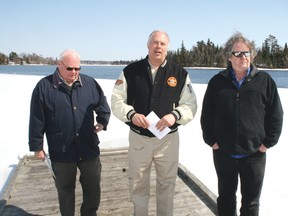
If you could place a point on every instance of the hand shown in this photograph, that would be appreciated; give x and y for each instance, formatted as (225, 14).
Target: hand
(262, 148)
(166, 121)
(40, 155)
(140, 120)
(215, 146)
(98, 127)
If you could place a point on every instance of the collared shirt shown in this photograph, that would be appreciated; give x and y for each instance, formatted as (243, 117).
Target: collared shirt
(155, 69)
(69, 86)
(239, 82)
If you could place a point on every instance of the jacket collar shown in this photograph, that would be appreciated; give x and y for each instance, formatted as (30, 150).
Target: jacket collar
(59, 81)
(227, 73)
(148, 62)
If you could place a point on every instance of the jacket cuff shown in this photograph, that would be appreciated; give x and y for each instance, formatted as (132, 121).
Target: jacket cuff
(130, 114)
(176, 115)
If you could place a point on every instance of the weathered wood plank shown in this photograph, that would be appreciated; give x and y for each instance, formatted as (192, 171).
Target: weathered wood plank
(32, 192)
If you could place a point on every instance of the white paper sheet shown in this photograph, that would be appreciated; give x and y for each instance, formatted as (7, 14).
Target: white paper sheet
(153, 119)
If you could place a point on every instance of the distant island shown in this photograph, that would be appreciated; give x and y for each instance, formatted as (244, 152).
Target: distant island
(205, 54)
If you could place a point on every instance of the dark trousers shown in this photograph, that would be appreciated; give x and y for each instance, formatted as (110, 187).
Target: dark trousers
(250, 171)
(65, 181)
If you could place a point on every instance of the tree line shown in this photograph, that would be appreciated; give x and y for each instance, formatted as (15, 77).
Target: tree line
(203, 54)
(207, 54)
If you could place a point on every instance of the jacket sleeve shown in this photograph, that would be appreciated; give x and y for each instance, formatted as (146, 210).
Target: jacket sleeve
(102, 110)
(273, 117)
(207, 116)
(187, 107)
(36, 122)
(119, 105)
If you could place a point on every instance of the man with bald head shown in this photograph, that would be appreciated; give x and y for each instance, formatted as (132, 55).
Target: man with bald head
(63, 105)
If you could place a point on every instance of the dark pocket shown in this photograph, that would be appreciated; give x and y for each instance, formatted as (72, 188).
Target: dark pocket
(55, 142)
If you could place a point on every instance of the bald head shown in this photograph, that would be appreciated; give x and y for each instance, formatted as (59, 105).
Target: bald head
(69, 53)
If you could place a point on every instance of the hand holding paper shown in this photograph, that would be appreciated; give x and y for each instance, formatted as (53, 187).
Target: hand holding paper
(153, 119)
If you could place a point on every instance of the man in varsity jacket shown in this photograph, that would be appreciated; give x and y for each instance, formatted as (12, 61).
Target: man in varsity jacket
(153, 84)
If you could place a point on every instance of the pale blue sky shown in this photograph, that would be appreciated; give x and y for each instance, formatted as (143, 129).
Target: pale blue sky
(118, 30)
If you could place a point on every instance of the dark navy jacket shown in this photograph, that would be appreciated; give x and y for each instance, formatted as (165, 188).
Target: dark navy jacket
(239, 120)
(66, 116)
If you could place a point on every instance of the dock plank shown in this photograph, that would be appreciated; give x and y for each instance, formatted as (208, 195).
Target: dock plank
(32, 191)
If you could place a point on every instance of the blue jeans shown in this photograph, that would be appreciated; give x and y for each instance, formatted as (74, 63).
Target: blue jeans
(65, 181)
(251, 172)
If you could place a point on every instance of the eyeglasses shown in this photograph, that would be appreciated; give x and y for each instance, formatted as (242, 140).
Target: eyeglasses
(239, 54)
(71, 68)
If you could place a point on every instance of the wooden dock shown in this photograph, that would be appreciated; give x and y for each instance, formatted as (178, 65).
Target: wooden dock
(32, 192)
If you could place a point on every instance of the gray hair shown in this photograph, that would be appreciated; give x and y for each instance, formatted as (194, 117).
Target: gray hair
(154, 32)
(68, 52)
(238, 37)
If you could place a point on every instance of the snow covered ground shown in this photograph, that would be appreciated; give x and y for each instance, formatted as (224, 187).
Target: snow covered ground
(194, 154)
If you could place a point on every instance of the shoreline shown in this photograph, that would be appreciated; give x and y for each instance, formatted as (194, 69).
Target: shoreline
(110, 65)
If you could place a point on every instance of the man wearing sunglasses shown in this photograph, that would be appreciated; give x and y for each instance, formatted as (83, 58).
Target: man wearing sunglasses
(63, 106)
(241, 118)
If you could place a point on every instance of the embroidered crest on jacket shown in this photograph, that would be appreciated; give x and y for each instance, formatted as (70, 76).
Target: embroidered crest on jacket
(171, 81)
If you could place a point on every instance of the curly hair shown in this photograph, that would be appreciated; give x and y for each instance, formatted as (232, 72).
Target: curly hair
(238, 37)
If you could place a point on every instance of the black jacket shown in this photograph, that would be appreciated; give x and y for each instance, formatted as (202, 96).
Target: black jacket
(239, 120)
(162, 96)
(66, 116)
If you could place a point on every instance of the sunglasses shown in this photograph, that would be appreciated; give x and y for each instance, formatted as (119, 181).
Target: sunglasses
(71, 68)
(239, 54)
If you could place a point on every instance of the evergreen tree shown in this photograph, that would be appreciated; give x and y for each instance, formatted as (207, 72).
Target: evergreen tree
(270, 55)
(2, 58)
